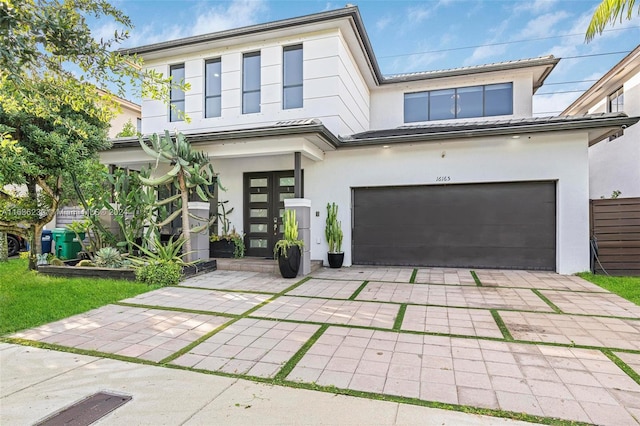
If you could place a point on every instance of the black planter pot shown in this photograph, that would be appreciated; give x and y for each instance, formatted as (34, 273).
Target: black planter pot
(222, 249)
(335, 259)
(290, 265)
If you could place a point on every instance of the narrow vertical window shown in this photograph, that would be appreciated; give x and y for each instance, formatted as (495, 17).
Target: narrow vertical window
(616, 101)
(176, 111)
(139, 124)
(292, 77)
(213, 88)
(251, 83)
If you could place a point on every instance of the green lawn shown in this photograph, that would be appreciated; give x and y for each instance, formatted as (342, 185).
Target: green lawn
(627, 287)
(28, 299)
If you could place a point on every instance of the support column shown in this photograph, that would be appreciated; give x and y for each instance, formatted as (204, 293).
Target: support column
(199, 241)
(297, 175)
(302, 207)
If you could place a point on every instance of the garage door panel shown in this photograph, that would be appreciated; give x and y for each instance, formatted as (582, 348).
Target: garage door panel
(501, 225)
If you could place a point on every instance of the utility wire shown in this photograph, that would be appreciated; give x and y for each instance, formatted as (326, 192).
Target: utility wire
(563, 91)
(498, 44)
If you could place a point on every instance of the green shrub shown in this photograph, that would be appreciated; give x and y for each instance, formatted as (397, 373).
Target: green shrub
(162, 273)
(110, 257)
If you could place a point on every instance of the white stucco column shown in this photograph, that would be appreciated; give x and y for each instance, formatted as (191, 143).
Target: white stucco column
(302, 207)
(199, 241)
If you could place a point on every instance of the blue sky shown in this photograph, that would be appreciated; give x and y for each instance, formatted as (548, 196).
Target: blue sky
(420, 36)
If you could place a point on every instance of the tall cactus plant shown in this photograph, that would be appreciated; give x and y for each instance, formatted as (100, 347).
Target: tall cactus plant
(333, 229)
(190, 170)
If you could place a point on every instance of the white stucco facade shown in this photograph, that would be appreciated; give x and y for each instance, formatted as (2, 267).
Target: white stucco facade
(345, 95)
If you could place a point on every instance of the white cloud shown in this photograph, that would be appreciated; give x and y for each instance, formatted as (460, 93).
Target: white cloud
(542, 26)
(238, 13)
(417, 14)
(535, 6)
(554, 104)
(383, 23)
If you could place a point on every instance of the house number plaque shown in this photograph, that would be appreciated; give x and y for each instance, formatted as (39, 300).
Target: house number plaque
(443, 178)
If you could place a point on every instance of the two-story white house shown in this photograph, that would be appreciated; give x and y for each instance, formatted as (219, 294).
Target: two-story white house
(442, 168)
(614, 164)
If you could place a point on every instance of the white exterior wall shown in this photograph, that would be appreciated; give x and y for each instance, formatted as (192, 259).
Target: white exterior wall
(615, 165)
(562, 158)
(333, 89)
(384, 117)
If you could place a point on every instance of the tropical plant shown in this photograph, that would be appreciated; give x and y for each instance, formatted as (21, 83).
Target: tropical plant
(290, 234)
(607, 13)
(228, 233)
(167, 252)
(110, 257)
(161, 273)
(190, 171)
(333, 229)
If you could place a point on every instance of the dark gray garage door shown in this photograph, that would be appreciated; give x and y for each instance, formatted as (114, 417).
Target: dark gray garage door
(496, 225)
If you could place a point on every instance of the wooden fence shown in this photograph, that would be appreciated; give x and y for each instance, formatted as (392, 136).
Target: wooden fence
(615, 223)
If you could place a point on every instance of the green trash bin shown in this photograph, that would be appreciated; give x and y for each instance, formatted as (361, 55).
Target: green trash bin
(67, 245)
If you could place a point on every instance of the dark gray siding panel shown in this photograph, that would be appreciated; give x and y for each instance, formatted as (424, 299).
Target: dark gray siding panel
(497, 225)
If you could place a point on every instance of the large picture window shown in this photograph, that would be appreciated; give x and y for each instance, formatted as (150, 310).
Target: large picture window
(213, 88)
(176, 112)
(463, 102)
(251, 83)
(292, 77)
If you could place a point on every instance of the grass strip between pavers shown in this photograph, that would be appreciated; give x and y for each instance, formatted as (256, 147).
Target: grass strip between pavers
(358, 291)
(501, 325)
(412, 280)
(313, 386)
(400, 317)
(172, 309)
(546, 300)
(288, 367)
(266, 293)
(622, 365)
(476, 279)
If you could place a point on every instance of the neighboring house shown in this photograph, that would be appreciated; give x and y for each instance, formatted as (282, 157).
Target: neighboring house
(614, 164)
(443, 168)
(128, 112)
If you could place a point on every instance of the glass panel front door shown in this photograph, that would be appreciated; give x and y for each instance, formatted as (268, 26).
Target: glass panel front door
(264, 195)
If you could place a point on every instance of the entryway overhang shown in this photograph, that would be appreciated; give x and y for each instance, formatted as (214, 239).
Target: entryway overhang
(308, 137)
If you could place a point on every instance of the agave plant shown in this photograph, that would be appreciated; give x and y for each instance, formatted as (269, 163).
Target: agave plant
(190, 170)
(109, 257)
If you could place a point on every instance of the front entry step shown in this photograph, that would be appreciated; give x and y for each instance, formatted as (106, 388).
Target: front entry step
(257, 264)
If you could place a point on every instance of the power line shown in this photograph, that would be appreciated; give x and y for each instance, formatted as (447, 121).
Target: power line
(498, 44)
(555, 93)
(571, 82)
(595, 54)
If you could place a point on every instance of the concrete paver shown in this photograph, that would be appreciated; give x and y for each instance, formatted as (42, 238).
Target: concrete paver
(448, 276)
(607, 304)
(150, 334)
(461, 321)
(535, 279)
(252, 347)
(348, 312)
(573, 329)
(452, 296)
(239, 280)
(332, 289)
(200, 300)
(361, 273)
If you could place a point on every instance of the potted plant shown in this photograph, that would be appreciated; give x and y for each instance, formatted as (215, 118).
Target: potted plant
(333, 233)
(230, 243)
(288, 251)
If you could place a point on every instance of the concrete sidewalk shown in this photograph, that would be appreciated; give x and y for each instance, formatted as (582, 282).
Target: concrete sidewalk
(35, 383)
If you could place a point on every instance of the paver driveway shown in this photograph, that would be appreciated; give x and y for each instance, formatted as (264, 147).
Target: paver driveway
(529, 342)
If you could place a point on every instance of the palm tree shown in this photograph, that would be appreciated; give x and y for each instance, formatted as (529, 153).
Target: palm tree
(607, 13)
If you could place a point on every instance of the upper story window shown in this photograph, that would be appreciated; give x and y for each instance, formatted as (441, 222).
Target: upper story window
(139, 125)
(616, 101)
(251, 82)
(176, 111)
(616, 104)
(461, 102)
(292, 77)
(213, 88)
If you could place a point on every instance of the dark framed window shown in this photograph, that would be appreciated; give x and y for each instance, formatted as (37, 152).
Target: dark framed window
(462, 102)
(213, 88)
(176, 112)
(616, 101)
(251, 83)
(292, 77)
(616, 104)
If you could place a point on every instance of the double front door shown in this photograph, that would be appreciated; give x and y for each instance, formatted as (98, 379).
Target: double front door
(264, 195)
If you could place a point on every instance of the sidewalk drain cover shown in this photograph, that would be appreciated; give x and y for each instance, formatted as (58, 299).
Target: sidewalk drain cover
(87, 411)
